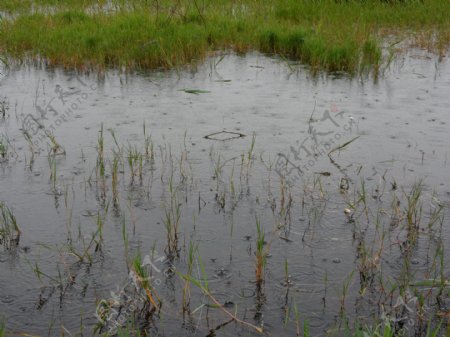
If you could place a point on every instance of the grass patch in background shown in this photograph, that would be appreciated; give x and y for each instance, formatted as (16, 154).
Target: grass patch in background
(326, 35)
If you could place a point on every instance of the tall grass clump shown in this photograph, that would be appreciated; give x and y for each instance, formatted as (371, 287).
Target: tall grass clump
(9, 229)
(144, 281)
(172, 220)
(413, 214)
(3, 150)
(115, 180)
(261, 254)
(4, 107)
(414, 207)
(190, 269)
(4, 64)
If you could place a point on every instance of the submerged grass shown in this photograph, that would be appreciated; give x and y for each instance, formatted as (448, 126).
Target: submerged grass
(327, 35)
(261, 254)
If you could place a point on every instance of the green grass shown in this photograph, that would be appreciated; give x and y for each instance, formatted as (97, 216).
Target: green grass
(14, 6)
(3, 149)
(327, 34)
(9, 229)
(261, 254)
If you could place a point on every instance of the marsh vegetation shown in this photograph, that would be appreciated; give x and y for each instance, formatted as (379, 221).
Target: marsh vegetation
(224, 168)
(351, 36)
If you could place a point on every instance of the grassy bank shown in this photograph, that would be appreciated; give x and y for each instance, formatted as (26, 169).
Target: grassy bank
(327, 35)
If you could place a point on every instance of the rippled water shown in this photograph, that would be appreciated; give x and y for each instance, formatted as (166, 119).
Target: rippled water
(402, 121)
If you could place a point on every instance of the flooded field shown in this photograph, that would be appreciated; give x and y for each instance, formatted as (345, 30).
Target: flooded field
(242, 198)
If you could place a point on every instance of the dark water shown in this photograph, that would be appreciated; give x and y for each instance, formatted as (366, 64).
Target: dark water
(402, 121)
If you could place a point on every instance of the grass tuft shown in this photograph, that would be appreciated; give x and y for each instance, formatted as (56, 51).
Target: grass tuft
(261, 254)
(9, 229)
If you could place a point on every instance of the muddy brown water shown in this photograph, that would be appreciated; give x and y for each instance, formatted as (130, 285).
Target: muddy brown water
(403, 124)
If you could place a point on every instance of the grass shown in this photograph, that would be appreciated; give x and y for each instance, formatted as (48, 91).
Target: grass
(3, 149)
(144, 282)
(9, 229)
(4, 106)
(190, 268)
(55, 147)
(135, 162)
(327, 35)
(115, 180)
(172, 220)
(261, 254)
(52, 169)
